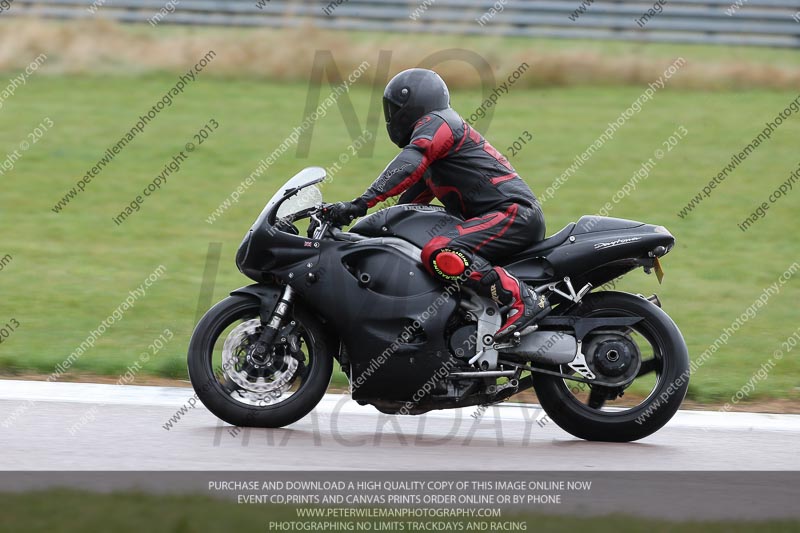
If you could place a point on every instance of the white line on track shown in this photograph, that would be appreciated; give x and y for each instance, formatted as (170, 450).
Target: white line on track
(95, 393)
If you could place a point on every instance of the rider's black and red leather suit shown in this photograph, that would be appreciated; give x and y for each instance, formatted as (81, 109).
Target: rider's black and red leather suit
(447, 159)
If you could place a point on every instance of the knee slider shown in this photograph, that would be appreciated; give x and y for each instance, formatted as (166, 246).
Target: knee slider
(450, 264)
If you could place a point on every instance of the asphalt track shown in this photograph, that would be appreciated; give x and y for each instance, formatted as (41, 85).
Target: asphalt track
(70, 426)
(109, 437)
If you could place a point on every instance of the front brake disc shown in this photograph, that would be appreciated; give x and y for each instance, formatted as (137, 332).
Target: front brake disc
(280, 382)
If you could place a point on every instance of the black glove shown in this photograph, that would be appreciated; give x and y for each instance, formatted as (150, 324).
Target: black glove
(343, 213)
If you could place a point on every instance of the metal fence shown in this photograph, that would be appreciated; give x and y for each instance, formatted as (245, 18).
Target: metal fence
(745, 22)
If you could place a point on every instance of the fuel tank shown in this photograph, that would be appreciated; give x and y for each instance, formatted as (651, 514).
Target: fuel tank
(414, 223)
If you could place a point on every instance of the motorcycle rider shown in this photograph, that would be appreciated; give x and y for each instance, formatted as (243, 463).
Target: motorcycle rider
(444, 157)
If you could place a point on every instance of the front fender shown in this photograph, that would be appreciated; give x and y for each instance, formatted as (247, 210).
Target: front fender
(268, 295)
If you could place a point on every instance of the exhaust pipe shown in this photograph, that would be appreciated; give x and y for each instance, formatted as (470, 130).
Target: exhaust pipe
(549, 347)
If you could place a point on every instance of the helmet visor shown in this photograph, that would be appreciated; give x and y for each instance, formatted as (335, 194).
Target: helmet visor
(389, 109)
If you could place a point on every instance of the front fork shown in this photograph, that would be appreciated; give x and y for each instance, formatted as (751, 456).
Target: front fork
(275, 322)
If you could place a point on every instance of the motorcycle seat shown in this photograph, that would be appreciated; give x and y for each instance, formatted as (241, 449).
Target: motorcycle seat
(551, 242)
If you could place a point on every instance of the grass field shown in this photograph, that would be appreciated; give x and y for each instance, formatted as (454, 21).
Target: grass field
(68, 511)
(287, 55)
(69, 271)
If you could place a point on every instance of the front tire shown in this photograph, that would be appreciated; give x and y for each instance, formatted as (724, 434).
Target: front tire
(671, 362)
(223, 397)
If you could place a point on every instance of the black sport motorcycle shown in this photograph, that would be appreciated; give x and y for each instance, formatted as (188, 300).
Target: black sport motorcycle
(263, 356)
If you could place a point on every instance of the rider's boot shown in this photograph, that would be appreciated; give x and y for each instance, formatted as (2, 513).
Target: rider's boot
(525, 306)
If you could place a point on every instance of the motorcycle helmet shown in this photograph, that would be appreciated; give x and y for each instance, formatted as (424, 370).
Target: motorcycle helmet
(409, 96)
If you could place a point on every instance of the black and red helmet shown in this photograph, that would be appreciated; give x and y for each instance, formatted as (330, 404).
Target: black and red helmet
(409, 96)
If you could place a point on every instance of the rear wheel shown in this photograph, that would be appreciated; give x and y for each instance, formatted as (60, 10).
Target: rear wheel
(648, 359)
(245, 385)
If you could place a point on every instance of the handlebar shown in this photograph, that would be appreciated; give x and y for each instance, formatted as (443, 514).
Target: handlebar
(340, 235)
(321, 224)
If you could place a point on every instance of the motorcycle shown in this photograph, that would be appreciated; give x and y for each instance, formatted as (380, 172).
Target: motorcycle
(264, 356)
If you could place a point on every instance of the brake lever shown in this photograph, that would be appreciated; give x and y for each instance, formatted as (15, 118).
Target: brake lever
(323, 211)
(319, 225)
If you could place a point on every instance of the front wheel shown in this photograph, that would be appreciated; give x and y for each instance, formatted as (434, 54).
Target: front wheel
(649, 359)
(245, 385)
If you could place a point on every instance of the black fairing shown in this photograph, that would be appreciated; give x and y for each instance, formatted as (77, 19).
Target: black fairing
(371, 312)
(414, 223)
(368, 292)
(265, 251)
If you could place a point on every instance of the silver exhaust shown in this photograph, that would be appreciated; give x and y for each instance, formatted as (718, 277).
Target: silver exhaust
(549, 347)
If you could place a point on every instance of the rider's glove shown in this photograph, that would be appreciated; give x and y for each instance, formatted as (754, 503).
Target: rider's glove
(343, 213)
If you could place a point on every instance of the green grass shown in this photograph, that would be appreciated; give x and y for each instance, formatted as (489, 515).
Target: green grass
(68, 511)
(71, 270)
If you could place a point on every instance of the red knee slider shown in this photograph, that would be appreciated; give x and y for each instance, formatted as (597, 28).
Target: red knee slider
(450, 263)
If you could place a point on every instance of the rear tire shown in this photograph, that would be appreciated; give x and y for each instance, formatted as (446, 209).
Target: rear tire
(663, 402)
(219, 401)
